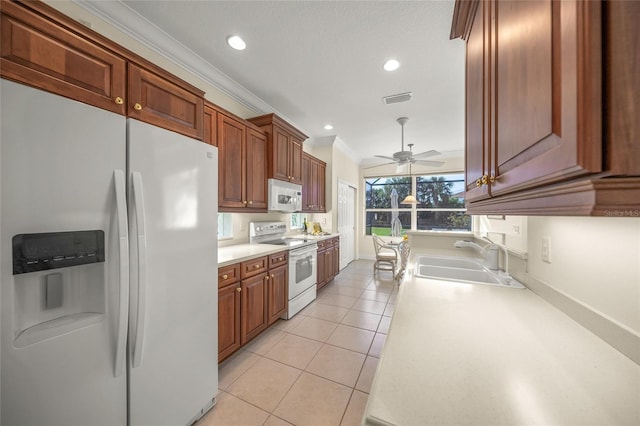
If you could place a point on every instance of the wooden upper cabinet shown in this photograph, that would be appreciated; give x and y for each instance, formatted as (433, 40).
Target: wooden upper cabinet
(313, 184)
(158, 100)
(210, 127)
(242, 165)
(537, 80)
(256, 169)
(42, 53)
(231, 162)
(284, 148)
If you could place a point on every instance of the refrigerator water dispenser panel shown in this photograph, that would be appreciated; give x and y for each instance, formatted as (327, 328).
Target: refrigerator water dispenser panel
(51, 250)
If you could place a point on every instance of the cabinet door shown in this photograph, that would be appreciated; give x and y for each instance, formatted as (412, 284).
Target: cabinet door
(329, 264)
(320, 187)
(278, 285)
(158, 100)
(231, 162)
(313, 197)
(280, 154)
(210, 126)
(45, 55)
(336, 259)
(547, 97)
(228, 320)
(256, 169)
(477, 106)
(306, 182)
(295, 161)
(254, 307)
(322, 268)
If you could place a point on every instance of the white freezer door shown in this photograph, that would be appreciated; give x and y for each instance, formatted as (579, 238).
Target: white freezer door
(173, 199)
(58, 160)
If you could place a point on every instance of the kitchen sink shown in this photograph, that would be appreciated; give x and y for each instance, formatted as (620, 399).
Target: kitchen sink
(461, 269)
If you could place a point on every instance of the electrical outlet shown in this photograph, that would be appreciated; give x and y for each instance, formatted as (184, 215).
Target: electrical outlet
(516, 229)
(546, 249)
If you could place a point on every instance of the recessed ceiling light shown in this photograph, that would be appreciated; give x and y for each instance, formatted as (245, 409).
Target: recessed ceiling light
(391, 65)
(236, 42)
(328, 127)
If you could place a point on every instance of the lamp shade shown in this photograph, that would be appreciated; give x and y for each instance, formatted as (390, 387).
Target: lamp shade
(409, 199)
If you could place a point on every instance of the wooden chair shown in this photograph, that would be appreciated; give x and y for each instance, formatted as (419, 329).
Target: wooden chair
(386, 258)
(404, 250)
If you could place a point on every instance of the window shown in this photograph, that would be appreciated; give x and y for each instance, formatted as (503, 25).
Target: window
(440, 204)
(296, 221)
(225, 226)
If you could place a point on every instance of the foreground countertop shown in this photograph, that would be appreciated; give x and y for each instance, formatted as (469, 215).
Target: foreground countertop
(465, 354)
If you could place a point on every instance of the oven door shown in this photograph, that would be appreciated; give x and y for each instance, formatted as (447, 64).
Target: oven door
(302, 269)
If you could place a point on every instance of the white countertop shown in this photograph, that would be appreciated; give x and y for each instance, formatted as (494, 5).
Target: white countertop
(240, 252)
(465, 354)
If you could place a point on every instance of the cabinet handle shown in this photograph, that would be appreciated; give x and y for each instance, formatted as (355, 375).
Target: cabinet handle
(239, 289)
(118, 100)
(492, 179)
(137, 107)
(225, 276)
(266, 277)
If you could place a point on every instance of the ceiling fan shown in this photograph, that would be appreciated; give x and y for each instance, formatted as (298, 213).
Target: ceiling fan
(403, 158)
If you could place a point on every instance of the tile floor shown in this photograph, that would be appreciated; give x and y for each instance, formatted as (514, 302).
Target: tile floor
(316, 368)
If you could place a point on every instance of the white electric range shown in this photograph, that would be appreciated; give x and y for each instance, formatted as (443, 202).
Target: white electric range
(303, 255)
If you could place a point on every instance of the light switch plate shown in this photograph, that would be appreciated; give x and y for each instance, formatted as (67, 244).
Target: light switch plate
(546, 249)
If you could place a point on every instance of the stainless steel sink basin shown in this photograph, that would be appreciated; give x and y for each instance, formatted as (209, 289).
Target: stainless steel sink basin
(461, 269)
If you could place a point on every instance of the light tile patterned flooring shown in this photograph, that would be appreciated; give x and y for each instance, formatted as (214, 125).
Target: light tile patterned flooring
(316, 368)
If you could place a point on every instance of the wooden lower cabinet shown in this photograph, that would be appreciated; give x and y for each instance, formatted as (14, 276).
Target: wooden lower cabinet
(278, 293)
(228, 320)
(251, 296)
(328, 260)
(253, 313)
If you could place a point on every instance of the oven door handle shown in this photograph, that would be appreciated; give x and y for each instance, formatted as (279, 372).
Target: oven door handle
(302, 253)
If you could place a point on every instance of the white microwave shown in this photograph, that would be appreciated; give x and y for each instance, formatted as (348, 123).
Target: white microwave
(284, 196)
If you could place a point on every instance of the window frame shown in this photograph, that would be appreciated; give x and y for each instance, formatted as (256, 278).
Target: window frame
(413, 209)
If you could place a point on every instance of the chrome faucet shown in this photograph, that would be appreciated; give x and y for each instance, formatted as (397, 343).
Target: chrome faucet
(489, 252)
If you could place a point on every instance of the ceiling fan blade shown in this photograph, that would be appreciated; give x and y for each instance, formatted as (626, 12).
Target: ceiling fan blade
(385, 157)
(426, 154)
(377, 165)
(429, 163)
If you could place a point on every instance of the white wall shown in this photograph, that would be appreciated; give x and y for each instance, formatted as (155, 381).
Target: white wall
(595, 261)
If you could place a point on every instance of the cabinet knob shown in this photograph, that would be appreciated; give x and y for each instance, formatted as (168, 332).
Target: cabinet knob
(118, 100)
(225, 276)
(256, 266)
(239, 289)
(273, 276)
(280, 259)
(137, 107)
(245, 202)
(266, 277)
(250, 202)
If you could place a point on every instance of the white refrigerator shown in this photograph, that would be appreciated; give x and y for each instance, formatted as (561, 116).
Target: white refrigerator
(108, 299)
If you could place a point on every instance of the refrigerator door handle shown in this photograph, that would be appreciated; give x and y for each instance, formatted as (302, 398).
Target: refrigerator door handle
(138, 199)
(123, 250)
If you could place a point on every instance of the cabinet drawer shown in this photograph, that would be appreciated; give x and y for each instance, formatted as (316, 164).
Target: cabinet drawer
(228, 275)
(42, 54)
(278, 259)
(323, 243)
(253, 267)
(335, 241)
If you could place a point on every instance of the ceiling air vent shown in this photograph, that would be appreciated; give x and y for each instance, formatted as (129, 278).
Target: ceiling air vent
(394, 99)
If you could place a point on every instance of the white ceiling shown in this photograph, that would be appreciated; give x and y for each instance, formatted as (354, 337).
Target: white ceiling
(318, 62)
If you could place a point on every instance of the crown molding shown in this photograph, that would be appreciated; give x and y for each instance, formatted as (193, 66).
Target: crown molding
(131, 23)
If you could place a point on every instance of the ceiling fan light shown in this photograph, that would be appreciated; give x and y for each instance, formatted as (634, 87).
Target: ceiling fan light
(409, 199)
(402, 168)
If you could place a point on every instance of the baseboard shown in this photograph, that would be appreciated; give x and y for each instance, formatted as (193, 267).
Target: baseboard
(621, 337)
